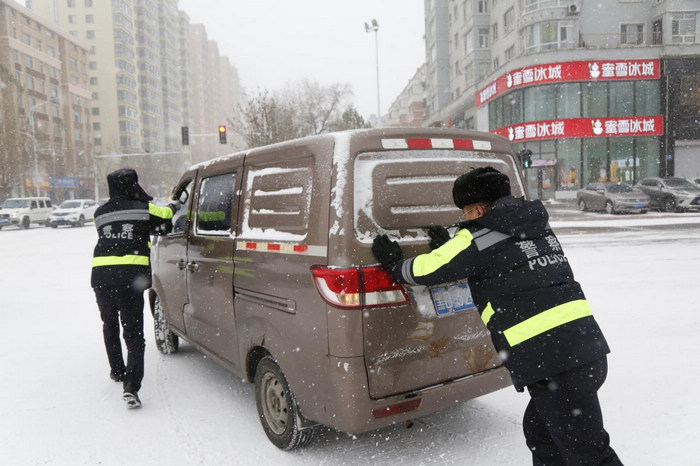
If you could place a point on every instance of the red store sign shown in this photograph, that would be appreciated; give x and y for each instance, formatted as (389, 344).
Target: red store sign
(584, 128)
(573, 71)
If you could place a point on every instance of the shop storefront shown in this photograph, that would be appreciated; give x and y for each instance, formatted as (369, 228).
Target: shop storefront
(584, 121)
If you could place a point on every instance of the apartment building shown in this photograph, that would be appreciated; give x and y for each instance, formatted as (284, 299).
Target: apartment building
(215, 95)
(45, 123)
(409, 107)
(596, 90)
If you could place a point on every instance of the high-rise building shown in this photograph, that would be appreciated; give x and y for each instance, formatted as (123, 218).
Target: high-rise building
(214, 86)
(45, 122)
(598, 91)
(409, 107)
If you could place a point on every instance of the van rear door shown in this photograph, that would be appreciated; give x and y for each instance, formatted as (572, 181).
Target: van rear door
(439, 335)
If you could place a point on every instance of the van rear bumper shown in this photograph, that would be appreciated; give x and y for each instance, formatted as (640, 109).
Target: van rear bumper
(352, 408)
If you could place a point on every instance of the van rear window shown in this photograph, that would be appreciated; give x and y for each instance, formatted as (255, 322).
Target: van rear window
(402, 192)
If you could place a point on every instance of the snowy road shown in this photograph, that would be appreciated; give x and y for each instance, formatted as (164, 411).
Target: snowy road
(59, 407)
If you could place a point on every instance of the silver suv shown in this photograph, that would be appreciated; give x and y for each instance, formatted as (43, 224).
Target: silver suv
(23, 211)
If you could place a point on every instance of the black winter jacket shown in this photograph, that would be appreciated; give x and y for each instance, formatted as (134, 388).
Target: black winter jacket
(124, 224)
(521, 282)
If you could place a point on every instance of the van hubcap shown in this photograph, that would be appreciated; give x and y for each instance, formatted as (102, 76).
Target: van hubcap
(275, 406)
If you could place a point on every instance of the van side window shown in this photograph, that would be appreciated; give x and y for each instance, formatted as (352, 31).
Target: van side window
(180, 217)
(48, 203)
(279, 199)
(33, 205)
(215, 204)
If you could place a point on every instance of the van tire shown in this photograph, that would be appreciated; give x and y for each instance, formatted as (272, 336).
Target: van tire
(25, 224)
(277, 407)
(166, 341)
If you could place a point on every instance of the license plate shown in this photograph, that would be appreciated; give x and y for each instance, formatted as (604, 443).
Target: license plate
(452, 298)
(638, 206)
(60, 219)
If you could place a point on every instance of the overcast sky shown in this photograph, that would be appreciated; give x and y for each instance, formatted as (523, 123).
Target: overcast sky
(275, 42)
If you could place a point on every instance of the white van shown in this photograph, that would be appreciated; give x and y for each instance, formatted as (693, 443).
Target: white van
(23, 211)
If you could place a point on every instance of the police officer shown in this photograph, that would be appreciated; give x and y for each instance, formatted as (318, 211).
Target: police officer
(121, 272)
(540, 321)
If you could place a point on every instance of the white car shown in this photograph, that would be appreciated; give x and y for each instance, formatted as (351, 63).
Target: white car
(73, 212)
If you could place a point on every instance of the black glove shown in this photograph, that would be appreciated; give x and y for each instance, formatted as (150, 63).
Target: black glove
(386, 251)
(438, 236)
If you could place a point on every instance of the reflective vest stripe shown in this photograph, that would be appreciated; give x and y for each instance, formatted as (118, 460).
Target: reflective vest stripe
(132, 215)
(425, 264)
(487, 314)
(120, 260)
(547, 320)
(159, 211)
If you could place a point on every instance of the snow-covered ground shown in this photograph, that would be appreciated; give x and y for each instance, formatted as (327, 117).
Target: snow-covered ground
(59, 407)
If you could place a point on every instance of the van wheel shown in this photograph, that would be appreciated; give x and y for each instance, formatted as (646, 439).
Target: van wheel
(166, 341)
(277, 408)
(582, 205)
(25, 223)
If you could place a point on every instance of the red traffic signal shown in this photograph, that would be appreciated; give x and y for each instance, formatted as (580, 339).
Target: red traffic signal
(222, 134)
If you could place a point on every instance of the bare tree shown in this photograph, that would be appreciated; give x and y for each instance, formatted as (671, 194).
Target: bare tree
(304, 109)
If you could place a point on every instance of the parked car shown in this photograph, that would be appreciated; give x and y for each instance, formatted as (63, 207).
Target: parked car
(269, 271)
(23, 211)
(671, 193)
(73, 212)
(613, 198)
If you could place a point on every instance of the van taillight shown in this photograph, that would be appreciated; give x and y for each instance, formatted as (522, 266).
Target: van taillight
(357, 287)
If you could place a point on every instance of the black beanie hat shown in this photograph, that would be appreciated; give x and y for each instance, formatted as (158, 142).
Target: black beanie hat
(484, 184)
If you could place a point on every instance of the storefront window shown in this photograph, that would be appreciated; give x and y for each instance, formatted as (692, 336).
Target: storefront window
(568, 164)
(595, 159)
(540, 103)
(513, 108)
(621, 159)
(595, 100)
(648, 99)
(621, 99)
(569, 101)
(647, 152)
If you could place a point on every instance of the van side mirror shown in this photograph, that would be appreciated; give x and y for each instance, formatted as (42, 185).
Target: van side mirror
(184, 195)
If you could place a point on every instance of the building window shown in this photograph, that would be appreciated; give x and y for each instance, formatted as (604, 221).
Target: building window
(92, 65)
(51, 51)
(93, 81)
(71, 3)
(483, 38)
(27, 61)
(510, 53)
(495, 64)
(484, 69)
(89, 19)
(494, 31)
(547, 35)
(469, 41)
(95, 111)
(90, 34)
(26, 38)
(509, 20)
(632, 34)
(482, 6)
(683, 28)
(88, 3)
(71, 19)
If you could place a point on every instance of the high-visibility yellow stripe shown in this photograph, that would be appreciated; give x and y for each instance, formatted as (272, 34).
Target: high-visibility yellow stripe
(120, 260)
(216, 216)
(487, 314)
(159, 211)
(426, 264)
(547, 320)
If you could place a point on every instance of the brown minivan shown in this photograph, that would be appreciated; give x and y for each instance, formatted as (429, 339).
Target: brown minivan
(269, 271)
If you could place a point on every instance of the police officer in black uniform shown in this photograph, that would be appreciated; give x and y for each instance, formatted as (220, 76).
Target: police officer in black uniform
(539, 319)
(121, 272)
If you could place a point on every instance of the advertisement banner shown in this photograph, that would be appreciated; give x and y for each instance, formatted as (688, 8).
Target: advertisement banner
(584, 128)
(573, 71)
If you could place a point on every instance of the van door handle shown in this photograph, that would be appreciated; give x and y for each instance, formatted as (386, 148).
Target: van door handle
(181, 264)
(192, 266)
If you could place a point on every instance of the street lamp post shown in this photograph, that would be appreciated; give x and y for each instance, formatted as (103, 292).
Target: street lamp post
(374, 26)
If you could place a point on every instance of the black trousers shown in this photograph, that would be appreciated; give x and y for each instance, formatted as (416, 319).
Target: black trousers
(125, 304)
(563, 423)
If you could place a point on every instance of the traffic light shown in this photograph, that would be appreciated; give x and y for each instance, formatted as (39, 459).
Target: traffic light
(222, 134)
(185, 136)
(525, 157)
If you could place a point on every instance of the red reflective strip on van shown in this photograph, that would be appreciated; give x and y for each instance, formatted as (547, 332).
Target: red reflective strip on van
(300, 248)
(419, 143)
(274, 247)
(463, 144)
(250, 245)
